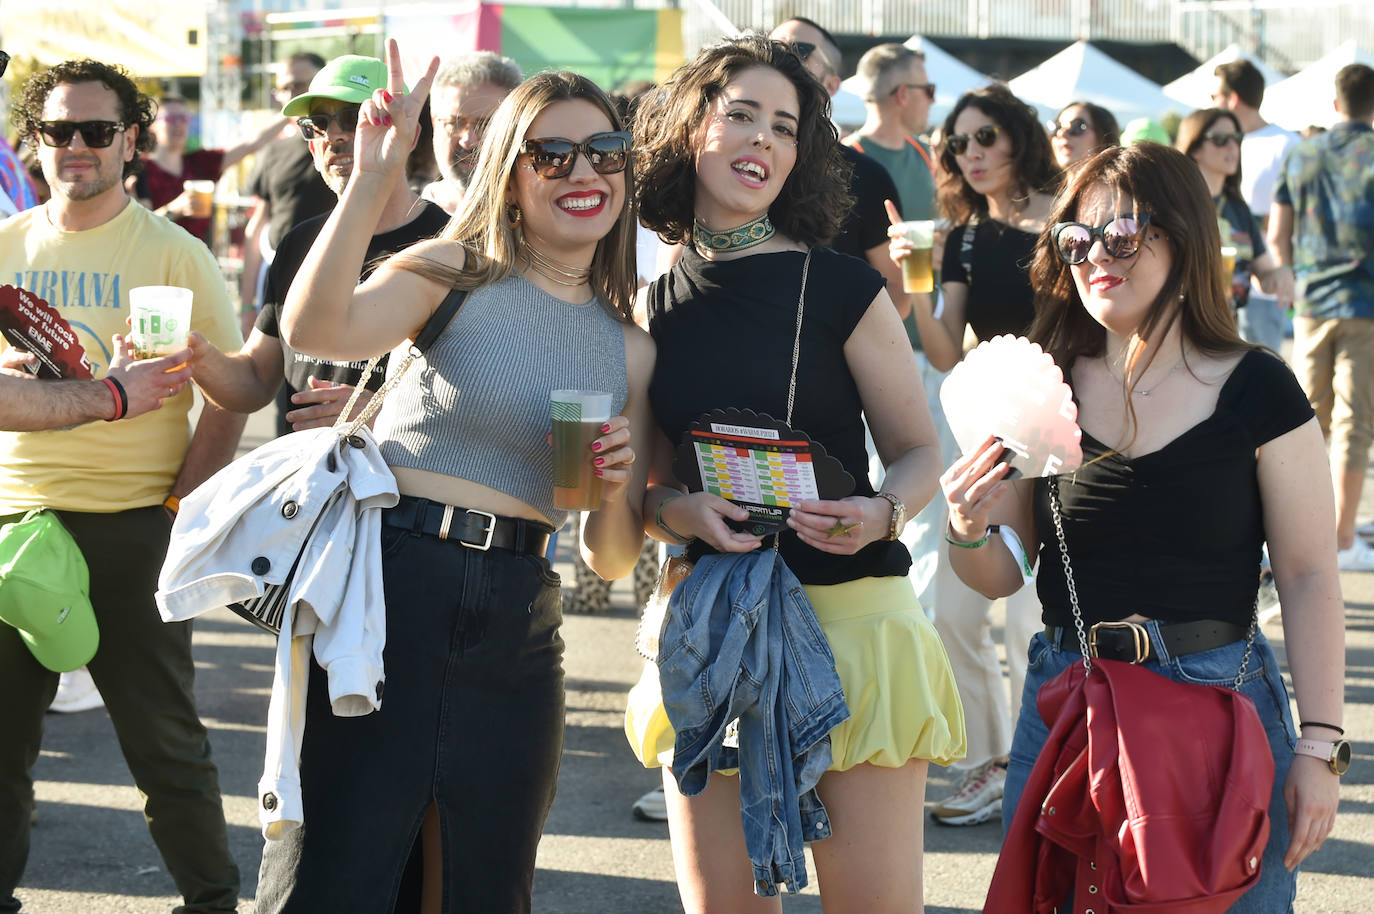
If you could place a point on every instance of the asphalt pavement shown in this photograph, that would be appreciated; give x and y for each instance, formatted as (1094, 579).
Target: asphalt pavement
(91, 853)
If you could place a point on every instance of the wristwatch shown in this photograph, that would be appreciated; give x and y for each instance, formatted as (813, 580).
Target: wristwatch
(898, 521)
(1336, 753)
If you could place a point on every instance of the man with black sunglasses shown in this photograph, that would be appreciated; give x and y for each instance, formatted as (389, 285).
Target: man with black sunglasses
(114, 485)
(316, 390)
(898, 101)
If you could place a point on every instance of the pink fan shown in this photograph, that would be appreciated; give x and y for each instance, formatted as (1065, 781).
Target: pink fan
(1011, 388)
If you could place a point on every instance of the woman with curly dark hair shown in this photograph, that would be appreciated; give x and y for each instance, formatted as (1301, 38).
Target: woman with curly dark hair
(742, 165)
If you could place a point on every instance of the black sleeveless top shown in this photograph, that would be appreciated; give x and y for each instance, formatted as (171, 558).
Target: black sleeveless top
(1000, 297)
(724, 331)
(1174, 534)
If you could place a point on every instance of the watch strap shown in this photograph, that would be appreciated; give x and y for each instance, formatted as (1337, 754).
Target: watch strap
(1319, 749)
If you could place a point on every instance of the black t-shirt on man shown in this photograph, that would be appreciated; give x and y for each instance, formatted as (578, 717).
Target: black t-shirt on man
(285, 176)
(866, 225)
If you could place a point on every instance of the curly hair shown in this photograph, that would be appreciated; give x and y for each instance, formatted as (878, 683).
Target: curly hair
(1033, 165)
(814, 199)
(135, 108)
(482, 224)
(1191, 131)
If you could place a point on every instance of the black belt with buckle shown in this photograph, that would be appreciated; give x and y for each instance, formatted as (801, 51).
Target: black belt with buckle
(1129, 641)
(469, 527)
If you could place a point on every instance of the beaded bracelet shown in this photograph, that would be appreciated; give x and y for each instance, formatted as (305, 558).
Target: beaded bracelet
(992, 528)
(658, 519)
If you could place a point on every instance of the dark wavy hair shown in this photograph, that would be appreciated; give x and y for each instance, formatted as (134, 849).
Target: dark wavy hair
(1103, 123)
(815, 198)
(1167, 186)
(1191, 131)
(1033, 164)
(135, 108)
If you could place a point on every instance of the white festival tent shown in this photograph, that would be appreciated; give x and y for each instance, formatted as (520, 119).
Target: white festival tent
(951, 76)
(1307, 97)
(1081, 72)
(1194, 89)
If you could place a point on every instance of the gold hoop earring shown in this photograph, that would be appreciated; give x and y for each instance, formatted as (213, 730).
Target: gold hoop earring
(513, 214)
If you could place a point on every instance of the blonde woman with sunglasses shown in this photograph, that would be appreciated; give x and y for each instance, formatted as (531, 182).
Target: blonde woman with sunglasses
(471, 730)
(996, 178)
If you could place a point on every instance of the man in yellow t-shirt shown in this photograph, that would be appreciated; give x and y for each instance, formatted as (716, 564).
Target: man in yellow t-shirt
(114, 484)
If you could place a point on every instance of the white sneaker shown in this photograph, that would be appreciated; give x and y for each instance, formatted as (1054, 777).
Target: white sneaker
(978, 799)
(652, 807)
(76, 691)
(1359, 557)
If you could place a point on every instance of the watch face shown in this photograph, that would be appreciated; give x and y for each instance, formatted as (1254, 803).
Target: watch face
(1340, 756)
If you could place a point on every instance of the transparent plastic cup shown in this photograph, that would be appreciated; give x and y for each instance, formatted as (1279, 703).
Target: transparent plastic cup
(577, 419)
(161, 317)
(917, 272)
(202, 195)
(1228, 263)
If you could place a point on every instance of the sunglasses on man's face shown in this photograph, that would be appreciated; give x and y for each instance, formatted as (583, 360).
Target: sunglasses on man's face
(316, 126)
(1075, 127)
(1121, 237)
(554, 157)
(804, 50)
(95, 134)
(1220, 140)
(986, 135)
(927, 88)
(4, 62)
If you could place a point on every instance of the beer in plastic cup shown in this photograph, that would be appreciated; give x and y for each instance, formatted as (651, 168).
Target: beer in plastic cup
(202, 194)
(161, 318)
(916, 266)
(577, 419)
(1228, 263)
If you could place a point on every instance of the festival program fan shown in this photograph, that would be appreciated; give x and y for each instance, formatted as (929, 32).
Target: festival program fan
(30, 323)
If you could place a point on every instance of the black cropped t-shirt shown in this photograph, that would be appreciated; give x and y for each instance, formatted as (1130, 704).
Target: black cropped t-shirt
(1000, 297)
(724, 331)
(1174, 534)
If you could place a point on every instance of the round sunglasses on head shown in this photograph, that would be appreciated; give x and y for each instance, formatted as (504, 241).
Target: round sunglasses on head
(95, 134)
(1075, 127)
(986, 135)
(1121, 237)
(1220, 140)
(554, 157)
(316, 126)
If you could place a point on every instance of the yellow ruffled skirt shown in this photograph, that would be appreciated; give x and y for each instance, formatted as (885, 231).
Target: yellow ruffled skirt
(897, 682)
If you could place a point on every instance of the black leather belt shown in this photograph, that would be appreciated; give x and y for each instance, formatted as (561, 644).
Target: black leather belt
(1130, 641)
(469, 527)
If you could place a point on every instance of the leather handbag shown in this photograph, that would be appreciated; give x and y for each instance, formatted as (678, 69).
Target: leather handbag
(266, 611)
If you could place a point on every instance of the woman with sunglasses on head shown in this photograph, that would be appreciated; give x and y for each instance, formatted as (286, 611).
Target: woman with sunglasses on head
(471, 729)
(997, 175)
(1211, 137)
(1080, 130)
(1192, 443)
(743, 167)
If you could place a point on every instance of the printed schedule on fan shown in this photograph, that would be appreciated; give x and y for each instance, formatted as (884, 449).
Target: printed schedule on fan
(754, 465)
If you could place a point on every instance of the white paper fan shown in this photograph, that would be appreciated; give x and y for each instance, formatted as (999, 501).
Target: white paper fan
(1011, 388)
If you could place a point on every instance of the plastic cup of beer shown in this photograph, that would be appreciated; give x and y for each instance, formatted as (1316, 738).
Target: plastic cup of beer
(1228, 263)
(577, 419)
(161, 318)
(202, 194)
(916, 266)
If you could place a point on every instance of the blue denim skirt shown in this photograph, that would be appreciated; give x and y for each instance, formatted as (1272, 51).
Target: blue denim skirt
(471, 721)
(1263, 683)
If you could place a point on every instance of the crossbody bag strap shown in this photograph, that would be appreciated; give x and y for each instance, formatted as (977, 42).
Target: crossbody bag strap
(423, 340)
(966, 248)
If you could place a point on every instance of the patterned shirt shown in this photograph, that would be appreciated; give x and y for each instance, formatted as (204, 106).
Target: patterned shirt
(1329, 182)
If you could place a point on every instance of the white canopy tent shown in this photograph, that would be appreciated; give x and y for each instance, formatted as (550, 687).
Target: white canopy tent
(1194, 89)
(1081, 72)
(1307, 97)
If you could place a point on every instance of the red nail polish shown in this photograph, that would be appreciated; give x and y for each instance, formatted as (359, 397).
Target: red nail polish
(596, 445)
(387, 95)
(599, 472)
(598, 461)
(606, 427)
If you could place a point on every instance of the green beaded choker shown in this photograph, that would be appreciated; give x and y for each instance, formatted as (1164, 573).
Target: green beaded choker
(736, 239)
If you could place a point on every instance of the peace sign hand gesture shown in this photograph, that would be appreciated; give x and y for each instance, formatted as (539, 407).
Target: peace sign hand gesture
(389, 122)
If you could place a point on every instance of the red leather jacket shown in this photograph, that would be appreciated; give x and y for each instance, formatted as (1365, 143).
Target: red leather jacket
(1150, 794)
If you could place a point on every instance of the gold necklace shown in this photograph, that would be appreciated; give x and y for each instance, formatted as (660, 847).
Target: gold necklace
(1138, 392)
(565, 274)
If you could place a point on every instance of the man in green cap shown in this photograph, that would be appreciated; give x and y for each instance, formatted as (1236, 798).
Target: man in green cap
(327, 114)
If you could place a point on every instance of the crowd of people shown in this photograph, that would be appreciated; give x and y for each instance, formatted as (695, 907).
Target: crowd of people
(621, 244)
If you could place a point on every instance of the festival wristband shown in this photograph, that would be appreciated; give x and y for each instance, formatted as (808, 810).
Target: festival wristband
(658, 519)
(121, 398)
(976, 544)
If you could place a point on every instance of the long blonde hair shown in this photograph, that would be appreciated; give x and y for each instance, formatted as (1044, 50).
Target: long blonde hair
(482, 224)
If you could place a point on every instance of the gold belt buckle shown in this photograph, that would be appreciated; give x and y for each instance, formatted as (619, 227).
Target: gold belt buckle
(1139, 637)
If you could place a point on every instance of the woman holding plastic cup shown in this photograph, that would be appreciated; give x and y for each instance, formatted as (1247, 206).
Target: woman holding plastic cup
(742, 167)
(1211, 137)
(471, 731)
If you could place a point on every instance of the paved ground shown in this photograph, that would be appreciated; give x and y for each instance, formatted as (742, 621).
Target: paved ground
(92, 854)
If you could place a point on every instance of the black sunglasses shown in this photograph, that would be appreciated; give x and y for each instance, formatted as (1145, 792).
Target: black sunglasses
(316, 126)
(554, 157)
(1121, 237)
(4, 62)
(1220, 140)
(1075, 127)
(986, 135)
(928, 88)
(95, 134)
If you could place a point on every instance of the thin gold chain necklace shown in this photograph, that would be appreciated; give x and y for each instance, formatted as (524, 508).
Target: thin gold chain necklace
(556, 270)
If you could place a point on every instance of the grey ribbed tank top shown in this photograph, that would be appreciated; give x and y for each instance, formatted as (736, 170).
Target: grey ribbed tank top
(477, 405)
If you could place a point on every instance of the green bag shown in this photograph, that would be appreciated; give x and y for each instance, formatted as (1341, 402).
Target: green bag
(45, 591)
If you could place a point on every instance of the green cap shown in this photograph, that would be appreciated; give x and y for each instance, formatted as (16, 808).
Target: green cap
(45, 591)
(1143, 129)
(350, 78)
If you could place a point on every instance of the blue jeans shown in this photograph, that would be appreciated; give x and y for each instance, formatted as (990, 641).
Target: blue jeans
(1263, 683)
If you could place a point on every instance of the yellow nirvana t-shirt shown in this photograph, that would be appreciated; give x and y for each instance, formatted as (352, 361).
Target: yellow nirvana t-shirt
(106, 466)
